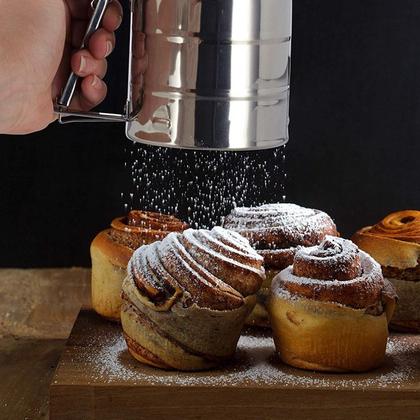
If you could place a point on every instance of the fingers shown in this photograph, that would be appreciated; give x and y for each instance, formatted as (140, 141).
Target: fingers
(90, 64)
(80, 9)
(84, 64)
(111, 21)
(113, 16)
(92, 92)
(102, 43)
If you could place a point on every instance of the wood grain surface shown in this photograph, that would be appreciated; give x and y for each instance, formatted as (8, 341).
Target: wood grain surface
(97, 372)
(26, 369)
(42, 303)
(38, 308)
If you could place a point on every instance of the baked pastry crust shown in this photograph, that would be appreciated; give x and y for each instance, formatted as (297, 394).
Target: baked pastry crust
(109, 263)
(337, 320)
(275, 231)
(186, 298)
(112, 249)
(327, 337)
(395, 244)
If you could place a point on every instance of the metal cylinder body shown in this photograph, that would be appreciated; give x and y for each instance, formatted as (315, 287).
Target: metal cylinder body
(210, 74)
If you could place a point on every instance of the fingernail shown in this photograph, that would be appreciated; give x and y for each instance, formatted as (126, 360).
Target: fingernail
(82, 65)
(95, 81)
(120, 19)
(109, 48)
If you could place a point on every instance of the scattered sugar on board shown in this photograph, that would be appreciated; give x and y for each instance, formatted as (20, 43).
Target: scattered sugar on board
(255, 362)
(202, 187)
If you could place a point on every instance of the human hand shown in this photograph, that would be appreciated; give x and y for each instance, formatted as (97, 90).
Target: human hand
(37, 38)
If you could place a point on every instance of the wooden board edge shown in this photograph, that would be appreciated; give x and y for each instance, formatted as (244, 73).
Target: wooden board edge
(151, 402)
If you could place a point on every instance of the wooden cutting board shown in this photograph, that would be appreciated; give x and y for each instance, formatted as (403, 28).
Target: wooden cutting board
(97, 379)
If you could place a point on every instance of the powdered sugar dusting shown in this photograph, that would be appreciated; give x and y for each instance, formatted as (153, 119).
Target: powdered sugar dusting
(192, 254)
(107, 360)
(331, 250)
(280, 225)
(284, 215)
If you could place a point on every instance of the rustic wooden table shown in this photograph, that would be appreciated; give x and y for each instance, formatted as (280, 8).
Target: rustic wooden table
(39, 307)
(97, 371)
(37, 311)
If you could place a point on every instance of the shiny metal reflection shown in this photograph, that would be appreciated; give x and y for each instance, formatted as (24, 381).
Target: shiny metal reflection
(210, 74)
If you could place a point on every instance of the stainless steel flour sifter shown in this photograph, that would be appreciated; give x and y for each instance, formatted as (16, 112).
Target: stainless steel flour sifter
(203, 74)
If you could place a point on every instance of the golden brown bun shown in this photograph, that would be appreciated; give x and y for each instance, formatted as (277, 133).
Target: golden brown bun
(112, 249)
(327, 337)
(144, 227)
(275, 231)
(330, 310)
(109, 264)
(395, 244)
(186, 298)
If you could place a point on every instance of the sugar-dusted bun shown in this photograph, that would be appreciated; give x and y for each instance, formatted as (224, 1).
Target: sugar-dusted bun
(112, 249)
(395, 244)
(186, 298)
(275, 231)
(330, 309)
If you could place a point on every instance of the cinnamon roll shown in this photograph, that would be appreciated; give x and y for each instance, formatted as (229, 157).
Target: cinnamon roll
(275, 231)
(112, 249)
(395, 244)
(330, 309)
(186, 298)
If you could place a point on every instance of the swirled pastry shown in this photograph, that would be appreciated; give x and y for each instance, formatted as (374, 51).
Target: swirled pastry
(112, 248)
(395, 244)
(275, 231)
(186, 298)
(330, 309)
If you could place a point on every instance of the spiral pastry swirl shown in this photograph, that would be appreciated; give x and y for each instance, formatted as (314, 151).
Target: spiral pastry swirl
(191, 292)
(275, 231)
(216, 268)
(394, 242)
(143, 227)
(112, 249)
(334, 271)
(402, 226)
(330, 309)
(280, 226)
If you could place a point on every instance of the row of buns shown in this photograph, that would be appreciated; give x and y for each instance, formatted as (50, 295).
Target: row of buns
(183, 295)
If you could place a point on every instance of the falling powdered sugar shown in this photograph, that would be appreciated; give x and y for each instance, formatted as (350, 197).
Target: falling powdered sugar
(202, 187)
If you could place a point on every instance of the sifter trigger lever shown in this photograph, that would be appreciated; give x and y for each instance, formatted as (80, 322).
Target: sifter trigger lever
(99, 7)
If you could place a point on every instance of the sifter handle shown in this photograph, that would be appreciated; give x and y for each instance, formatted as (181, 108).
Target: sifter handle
(95, 21)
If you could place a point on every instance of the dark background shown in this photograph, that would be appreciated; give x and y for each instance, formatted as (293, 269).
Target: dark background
(354, 142)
